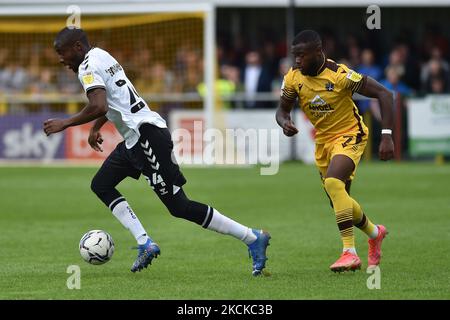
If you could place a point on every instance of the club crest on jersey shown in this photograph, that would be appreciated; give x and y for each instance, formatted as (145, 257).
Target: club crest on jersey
(354, 76)
(87, 78)
(329, 86)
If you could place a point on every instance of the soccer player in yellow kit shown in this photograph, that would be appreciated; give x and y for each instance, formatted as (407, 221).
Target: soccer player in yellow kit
(324, 90)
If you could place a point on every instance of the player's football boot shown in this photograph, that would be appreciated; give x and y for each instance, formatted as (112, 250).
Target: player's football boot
(374, 255)
(257, 251)
(146, 253)
(347, 261)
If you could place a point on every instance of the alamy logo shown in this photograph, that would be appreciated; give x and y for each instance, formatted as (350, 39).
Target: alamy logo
(74, 280)
(236, 146)
(374, 20)
(74, 20)
(374, 281)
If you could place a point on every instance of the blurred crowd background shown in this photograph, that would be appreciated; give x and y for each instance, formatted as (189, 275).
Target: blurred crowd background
(252, 55)
(410, 55)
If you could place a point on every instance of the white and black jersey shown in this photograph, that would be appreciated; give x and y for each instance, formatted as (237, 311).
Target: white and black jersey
(126, 109)
(147, 147)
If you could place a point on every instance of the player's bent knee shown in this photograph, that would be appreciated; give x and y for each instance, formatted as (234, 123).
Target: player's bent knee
(333, 186)
(179, 208)
(177, 205)
(182, 207)
(95, 186)
(99, 188)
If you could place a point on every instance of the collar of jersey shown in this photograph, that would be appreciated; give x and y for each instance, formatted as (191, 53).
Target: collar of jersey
(323, 66)
(92, 47)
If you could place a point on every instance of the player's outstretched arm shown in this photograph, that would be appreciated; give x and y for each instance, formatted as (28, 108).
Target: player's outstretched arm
(373, 89)
(97, 107)
(283, 117)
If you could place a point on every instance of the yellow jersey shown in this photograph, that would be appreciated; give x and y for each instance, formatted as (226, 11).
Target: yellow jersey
(326, 99)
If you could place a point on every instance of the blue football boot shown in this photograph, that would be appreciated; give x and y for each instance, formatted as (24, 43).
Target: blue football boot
(146, 253)
(257, 251)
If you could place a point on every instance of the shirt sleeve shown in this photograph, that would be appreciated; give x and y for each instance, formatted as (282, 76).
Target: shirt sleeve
(288, 91)
(351, 79)
(90, 77)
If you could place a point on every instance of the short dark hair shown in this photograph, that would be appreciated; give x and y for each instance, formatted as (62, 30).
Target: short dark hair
(307, 36)
(70, 35)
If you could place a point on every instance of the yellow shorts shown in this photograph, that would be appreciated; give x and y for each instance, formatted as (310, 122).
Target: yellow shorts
(351, 145)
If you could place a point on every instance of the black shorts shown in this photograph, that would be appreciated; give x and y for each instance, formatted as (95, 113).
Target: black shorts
(151, 156)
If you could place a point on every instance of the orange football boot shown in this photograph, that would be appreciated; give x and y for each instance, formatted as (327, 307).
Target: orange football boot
(374, 255)
(348, 261)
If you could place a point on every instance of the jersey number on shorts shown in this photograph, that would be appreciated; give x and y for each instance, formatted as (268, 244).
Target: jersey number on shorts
(135, 107)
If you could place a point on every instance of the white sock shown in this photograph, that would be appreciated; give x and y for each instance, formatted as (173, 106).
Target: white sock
(225, 225)
(374, 233)
(351, 250)
(123, 212)
(142, 239)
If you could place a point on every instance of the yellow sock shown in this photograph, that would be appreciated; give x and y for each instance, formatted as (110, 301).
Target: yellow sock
(361, 221)
(343, 208)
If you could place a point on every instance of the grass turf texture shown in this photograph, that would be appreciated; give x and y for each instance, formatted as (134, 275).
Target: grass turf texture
(45, 211)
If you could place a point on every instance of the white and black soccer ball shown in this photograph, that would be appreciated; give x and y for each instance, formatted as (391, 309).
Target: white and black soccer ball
(96, 247)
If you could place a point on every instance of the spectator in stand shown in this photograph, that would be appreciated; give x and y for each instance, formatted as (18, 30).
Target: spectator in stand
(44, 84)
(155, 79)
(438, 86)
(411, 74)
(138, 63)
(435, 73)
(233, 75)
(329, 44)
(369, 68)
(65, 83)
(433, 38)
(189, 69)
(14, 78)
(353, 52)
(270, 58)
(194, 71)
(395, 60)
(284, 66)
(256, 78)
(4, 53)
(393, 80)
(393, 83)
(225, 87)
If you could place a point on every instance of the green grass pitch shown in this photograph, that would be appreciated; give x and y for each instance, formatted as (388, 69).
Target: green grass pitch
(45, 211)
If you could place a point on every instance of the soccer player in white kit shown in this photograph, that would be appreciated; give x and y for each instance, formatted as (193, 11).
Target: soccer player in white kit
(147, 149)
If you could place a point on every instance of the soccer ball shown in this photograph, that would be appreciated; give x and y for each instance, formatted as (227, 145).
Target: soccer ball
(96, 247)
